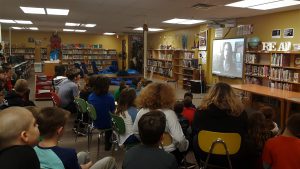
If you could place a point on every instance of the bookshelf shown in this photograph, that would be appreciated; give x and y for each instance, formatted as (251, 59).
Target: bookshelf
(102, 57)
(28, 53)
(275, 69)
(179, 65)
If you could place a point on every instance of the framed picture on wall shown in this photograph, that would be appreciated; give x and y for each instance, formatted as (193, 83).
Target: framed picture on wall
(288, 33)
(203, 40)
(276, 33)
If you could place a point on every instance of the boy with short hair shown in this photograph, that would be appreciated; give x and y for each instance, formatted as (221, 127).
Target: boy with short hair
(52, 121)
(148, 155)
(284, 151)
(18, 132)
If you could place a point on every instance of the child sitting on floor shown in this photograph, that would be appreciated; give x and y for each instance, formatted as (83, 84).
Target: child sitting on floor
(18, 132)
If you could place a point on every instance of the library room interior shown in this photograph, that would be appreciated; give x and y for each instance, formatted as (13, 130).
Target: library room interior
(140, 84)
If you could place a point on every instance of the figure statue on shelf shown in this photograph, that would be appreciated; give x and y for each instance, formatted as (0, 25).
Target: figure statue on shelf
(55, 44)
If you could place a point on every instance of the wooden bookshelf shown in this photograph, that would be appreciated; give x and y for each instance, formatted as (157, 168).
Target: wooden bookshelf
(276, 69)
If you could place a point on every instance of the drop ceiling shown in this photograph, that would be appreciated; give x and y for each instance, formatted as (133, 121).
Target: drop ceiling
(121, 16)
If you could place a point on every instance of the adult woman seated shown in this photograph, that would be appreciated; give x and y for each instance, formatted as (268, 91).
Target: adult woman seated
(160, 96)
(221, 111)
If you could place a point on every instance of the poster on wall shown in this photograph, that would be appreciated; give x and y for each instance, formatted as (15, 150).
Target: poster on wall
(288, 33)
(203, 40)
(202, 57)
(276, 33)
(219, 33)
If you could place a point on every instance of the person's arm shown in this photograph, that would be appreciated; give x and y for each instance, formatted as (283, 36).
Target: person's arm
(176, 132)
(75, 91)
(196, 123)
(87, 165)
(112, 106)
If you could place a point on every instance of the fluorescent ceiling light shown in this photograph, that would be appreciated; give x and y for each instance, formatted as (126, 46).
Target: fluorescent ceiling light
(109, 33)
(7, 21)
(17, 28)
(72, 24)
(33, 28)
(248, 3)
(89, 25)
(23, 22)
(68, 30)
(183, 21)
(149, 29)
(33, 10)
(52, 11)
(274, 5)
(80, 30)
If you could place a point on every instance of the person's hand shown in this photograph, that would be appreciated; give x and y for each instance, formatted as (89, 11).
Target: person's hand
(87, 165)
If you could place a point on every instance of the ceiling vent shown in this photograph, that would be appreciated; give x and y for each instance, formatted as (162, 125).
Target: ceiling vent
(202, 6)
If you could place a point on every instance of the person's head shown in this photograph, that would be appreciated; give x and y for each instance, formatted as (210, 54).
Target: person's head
(188, 94)
(122, 85)
(2, 74)
(101, 85)
(51, 121)
(126, 100)
(256, 123)
(223, 96)
(34, 110)
(17, 127)
(156, 96)
(21, 87)
(73, 74)
(227, 51)
(293, 124)
(151, 127)
(7, 69)
(2, 93)
(178, 108)
(60, 70)
(269, 114)
(188, 102)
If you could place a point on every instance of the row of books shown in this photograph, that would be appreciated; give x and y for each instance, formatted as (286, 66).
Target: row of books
(20, 50)
(80, 45)
(284, 75)
(279, 59)
(188, 55)
(251, 58)
(280, 85)
(254, 70)
(159, 64)
(64, 56)
(77, 51)
(159, 70)
(165, 56)
(190, 63)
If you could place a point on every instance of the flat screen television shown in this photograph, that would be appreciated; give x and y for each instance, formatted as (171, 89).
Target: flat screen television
(227, 56)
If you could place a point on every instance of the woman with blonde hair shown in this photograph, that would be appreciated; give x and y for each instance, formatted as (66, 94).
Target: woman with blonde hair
(220, 111)
(161, 96)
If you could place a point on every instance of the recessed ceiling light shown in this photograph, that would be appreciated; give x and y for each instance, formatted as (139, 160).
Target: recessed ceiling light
(109, 33)
(7, 21)
(183, 21)
(33, 28)
(72, 24)
(52, 11)
(89, 25)
(80, 30)
(247, 3)
(23, 22)
(149, 29)
(33, 10)
(17, 28)
(274, 5)
(68, 30)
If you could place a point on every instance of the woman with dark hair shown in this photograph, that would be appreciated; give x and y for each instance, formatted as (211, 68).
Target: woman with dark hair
(127, 111)
(220, 111)
(227, 54)
(104, 104)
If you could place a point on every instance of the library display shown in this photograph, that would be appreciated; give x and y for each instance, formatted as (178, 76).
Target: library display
(228, 57)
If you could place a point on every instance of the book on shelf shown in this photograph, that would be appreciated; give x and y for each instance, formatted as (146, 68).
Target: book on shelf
(251, 58)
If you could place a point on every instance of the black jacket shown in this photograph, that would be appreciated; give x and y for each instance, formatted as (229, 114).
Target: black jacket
(14, 99)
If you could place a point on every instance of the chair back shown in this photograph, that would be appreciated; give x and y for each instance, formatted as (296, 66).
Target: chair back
(166, 140)
(118, 123)
(91, 111)
(208, 142)
(55, 99)
(81, 105)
